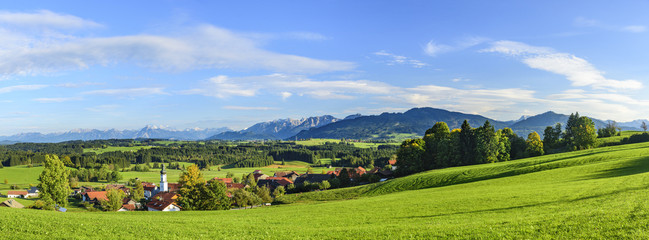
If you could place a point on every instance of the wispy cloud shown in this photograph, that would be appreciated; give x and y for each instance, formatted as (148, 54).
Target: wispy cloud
(223, 87)
(249, 108)
(104, 108)
(577, 70)
(128, 92)
(45, 18)
(57, 100)
(200, 47)
(587, 22)
(287, 85)
(393, 59)
(21, 88)
(433, 48)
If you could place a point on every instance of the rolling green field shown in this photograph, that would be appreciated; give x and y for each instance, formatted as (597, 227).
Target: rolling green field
(601, 193)
(115, 149)
(321, 141)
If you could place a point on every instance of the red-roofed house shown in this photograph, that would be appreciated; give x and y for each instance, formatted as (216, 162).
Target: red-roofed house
(94, 197)
(164, 201)
(259, 176)
(224, 180)
(235, 186)
(292, 175)
(17, 194)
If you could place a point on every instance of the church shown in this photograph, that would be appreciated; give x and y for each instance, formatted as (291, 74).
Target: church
(165, 195)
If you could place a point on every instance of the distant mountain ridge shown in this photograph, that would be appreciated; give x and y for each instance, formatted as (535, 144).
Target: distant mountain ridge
(417, 120)
(276, 129)
(94, 134)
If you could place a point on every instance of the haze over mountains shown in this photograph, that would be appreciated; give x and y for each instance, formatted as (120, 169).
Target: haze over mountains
(413, 122)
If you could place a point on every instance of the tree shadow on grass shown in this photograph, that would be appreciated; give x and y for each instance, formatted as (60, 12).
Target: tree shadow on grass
(535, 204)
(635, 166)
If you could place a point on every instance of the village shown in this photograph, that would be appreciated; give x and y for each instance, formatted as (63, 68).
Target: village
(164, 195)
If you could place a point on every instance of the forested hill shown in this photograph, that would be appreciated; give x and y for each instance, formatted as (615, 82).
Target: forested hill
(389, 125)
(417, 120)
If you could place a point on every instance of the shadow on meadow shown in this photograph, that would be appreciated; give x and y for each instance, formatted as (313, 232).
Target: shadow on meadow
(561, 201)
(632, 167)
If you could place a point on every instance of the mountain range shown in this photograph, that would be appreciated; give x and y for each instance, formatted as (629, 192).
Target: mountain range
(94, 134)
(413, 122)
(417, 120)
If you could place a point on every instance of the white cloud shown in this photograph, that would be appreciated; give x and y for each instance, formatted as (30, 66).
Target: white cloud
(394, 59)
(201, 47)
(586, 22)
(286, 95)
(57, 100)
(21, 88)
(245, 108)
(577, 70)
(433, 49)
(45, 18)
(128, 92)
(634, 28)
(223, 87)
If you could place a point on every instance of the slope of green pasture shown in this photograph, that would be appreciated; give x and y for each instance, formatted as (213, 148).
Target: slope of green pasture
(587, 195)
(456, 175)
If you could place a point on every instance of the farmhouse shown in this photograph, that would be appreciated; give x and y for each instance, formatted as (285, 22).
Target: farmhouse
(274, 182)
(12, 204)
(164, 201)
(32, 192)
(292, 175)
(94, 197)
(17, 194)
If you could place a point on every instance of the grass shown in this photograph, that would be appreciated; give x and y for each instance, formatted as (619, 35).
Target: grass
(600, 194)
(115, 149)
(322, 141)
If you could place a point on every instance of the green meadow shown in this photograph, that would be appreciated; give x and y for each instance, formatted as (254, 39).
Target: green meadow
(601, 193)
(115, 149)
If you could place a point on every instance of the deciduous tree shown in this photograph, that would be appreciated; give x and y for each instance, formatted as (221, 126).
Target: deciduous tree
(115, 200)
(54, 187)
(534, 145)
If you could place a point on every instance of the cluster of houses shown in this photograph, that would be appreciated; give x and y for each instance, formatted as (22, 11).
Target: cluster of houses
(29, 193)
(163, 197)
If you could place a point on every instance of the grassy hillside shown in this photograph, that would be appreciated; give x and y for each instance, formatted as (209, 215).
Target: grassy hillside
(599, 193)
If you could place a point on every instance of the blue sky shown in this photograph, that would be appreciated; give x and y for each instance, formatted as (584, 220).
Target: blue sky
(181, 64)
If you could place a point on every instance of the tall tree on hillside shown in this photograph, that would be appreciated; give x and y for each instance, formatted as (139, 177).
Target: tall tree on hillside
(54, 187)
(570, 126)
(409, 156)
(486, 144)
(436, 139)
(584, 134)
(467, 144)
(534, 145)
(504, 146)
(552, 137)
(643, 126)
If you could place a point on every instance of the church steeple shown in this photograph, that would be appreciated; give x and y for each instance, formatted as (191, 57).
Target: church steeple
(164, 187)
